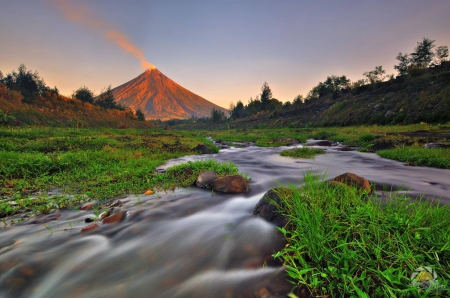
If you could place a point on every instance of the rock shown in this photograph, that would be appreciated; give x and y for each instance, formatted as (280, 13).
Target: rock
(148, 192)
(231, 184)
(113, 218)
(377, 107)
(354, 180)
(206, 179)
(381, 146)
(203, 149)
(263, 293)
(89, 228)
(320, 143)
(345, 148)
(267, 210)
(436, 145)
(389, 113)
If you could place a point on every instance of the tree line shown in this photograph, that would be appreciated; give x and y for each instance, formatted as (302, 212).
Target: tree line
(425, 55)
(31, 86)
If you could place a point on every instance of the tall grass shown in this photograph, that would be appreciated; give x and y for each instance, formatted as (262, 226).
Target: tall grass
(342, 244)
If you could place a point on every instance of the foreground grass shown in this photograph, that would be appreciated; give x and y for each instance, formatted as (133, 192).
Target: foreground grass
(438, 158)
(303, 152)
(85, 164)
(341, 244)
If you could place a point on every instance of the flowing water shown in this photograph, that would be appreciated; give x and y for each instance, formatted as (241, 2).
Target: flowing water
(186, 243)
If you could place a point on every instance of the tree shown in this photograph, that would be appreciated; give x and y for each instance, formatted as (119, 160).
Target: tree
(423, 55)
(441, 54)
(266, 96)
(28, 83)
(217, 115)
(106, 99)
(298, 100)
(404, 63)
(238, 111)
(335, 83)
(140, 115)
(376, 75)
(84, 94)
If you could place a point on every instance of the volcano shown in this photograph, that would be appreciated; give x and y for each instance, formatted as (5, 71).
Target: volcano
(159, 97)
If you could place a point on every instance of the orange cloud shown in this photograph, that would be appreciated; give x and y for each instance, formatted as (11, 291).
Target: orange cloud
(84, 16)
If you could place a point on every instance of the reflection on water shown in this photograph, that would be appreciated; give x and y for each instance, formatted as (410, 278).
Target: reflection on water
(187, 243)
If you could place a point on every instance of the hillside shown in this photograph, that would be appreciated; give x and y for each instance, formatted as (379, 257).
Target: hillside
(55, 110)
(421, 96)
(159, 97)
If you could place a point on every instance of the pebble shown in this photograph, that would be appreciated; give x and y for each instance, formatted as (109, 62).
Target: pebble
(113, 218)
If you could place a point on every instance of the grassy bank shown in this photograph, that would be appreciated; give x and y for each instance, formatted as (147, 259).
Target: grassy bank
(437, 158)
(341, 244)
(85, 164)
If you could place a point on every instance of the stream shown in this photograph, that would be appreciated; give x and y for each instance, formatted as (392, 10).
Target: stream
(188, 242)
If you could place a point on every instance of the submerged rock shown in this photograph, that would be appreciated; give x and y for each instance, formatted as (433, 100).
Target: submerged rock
(382, 146)
(231, 184)
(203, 149)
(266, 207)
(206, 179)
(354, 180)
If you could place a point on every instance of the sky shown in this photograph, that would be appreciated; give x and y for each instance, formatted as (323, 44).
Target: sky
(222, 50)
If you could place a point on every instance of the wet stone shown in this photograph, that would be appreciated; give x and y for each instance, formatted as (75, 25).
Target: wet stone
(206, 179)
(231, 184)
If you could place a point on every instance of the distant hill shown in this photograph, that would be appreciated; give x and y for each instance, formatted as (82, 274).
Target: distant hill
(51, 109)
(159, 97)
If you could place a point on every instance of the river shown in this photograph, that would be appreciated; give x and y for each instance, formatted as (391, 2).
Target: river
(188, 242)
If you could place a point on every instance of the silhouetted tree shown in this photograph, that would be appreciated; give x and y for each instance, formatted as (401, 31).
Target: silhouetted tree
(266, 96)
(441, 54)
(423, 55)
(106, 99)
(376, 75)
(404, 63)
(140, 115)
(217, 115)
(28, 83)
(238, 111)
(298, 100)
(84, 94)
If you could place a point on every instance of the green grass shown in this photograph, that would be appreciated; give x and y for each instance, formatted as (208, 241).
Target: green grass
(86, 164)
(303, 152)
(438, 158)
(342, 244)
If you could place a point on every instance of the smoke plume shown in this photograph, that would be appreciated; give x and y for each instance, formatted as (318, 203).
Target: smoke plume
(85, 17)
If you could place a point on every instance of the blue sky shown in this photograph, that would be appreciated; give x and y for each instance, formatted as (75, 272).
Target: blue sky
(222, 50)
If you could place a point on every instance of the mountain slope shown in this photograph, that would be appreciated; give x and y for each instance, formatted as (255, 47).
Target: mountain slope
(161, 98)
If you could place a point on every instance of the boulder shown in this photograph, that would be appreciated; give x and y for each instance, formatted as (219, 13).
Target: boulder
(354, 180)
(206, 179)
(203, 149)
(266, 207)
(231, 184)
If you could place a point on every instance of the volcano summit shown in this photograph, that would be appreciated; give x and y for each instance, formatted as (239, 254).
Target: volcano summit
(161, 98)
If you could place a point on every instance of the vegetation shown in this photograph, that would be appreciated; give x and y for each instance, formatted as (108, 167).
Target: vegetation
(437, 158)
(343, 244)
(303, 152)
(86, 164)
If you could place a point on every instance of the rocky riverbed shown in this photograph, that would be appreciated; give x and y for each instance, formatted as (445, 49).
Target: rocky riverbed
(186, 243)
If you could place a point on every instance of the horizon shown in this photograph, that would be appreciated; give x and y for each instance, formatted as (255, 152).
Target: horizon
(223, 52)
